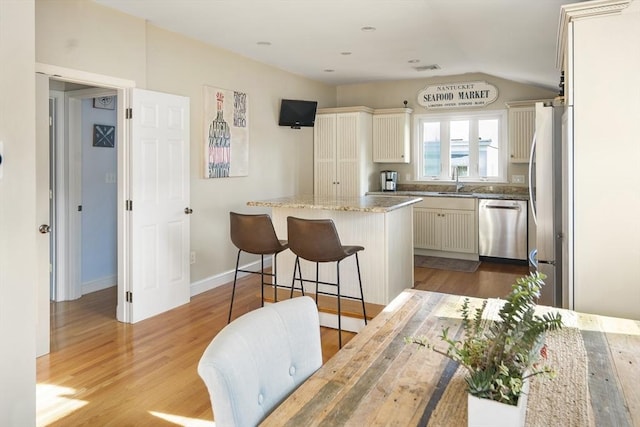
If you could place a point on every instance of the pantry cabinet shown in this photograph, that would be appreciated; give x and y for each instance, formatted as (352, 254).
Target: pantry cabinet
(342, 151)
(600, 56)
(391, 135)
(446, 224)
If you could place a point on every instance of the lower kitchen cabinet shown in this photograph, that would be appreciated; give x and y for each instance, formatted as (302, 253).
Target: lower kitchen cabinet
(447, 225)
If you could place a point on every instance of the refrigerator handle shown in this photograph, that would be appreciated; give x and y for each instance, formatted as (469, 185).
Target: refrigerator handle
(531, 183)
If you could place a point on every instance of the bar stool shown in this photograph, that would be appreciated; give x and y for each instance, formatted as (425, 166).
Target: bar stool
(317, 240)
(255, 234)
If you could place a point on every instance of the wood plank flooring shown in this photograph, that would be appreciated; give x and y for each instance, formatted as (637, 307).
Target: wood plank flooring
(104, 373)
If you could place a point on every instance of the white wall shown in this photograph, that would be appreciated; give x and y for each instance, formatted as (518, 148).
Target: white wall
(17, 214)
(99, 209)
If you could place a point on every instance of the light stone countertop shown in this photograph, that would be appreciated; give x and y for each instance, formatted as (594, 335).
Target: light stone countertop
(369, 203)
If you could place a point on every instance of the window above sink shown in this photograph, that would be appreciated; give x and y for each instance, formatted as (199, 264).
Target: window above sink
(471, 145)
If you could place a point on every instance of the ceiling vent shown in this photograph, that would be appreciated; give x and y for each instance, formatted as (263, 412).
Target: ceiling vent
(427, 67)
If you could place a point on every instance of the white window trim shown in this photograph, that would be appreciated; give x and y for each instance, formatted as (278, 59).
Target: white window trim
(463, 115)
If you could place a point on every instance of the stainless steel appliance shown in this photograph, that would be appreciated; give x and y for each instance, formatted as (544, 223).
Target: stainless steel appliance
(388, 180)
(502, 228)
(545, 187)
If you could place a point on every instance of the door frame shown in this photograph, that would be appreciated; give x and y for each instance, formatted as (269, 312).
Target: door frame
(69, 166)
(121, 87)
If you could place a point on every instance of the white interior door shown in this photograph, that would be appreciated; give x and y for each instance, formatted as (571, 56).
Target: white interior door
(159, 211)
(43, 197)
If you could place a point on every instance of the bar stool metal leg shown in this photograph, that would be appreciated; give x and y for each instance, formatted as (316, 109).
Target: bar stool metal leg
(339, 308)
(262, 280)
(296, 265)
(235, 279)
(364, 310)
(275, 286)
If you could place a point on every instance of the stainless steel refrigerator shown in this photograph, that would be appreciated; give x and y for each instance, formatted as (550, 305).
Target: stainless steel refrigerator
(545, 186)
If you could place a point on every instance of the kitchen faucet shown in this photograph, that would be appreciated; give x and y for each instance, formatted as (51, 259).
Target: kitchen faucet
(455, 172)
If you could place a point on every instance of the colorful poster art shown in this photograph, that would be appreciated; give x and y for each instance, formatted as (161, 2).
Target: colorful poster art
(226, 133)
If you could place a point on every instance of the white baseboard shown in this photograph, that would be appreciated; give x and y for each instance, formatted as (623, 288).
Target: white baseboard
(213, 282)
(99, 284)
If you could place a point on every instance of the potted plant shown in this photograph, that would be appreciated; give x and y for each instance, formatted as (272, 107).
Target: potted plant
(501, 356)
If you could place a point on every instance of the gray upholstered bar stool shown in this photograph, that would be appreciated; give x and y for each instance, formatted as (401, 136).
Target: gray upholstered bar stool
(255, 234)
(317, 240)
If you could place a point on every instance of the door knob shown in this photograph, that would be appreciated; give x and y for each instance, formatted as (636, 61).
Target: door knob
(188, 210)
(44, 229)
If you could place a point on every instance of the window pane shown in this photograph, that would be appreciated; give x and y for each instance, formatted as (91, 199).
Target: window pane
(459, 136)
(431, 149)
(488, 147)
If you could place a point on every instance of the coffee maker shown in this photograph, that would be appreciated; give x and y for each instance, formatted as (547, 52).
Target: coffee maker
(388, 180)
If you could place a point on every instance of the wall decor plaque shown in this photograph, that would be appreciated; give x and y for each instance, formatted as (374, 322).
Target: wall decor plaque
(458, 95)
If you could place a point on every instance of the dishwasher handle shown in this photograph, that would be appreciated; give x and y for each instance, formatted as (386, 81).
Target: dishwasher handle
(515, 208)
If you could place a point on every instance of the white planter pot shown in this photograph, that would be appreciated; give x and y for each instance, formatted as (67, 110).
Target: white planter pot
(489, 413)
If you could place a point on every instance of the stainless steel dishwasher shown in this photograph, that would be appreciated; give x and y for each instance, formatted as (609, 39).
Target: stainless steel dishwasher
(502, 228)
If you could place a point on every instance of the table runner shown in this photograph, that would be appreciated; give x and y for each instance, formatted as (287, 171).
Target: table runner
(563, 400)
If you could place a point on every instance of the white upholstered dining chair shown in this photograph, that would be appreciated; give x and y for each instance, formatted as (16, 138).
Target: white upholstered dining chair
(257, 360)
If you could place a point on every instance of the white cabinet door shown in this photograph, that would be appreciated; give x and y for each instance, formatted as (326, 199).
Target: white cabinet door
(324, 153)
(522, 125)
(391, 135)
(459, 231)
(159, 269)
(347, 155)
(426, 228)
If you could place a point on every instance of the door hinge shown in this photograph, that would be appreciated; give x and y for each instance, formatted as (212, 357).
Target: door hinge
(128, 205)
(129, 296)
(128, 113)
(79, 208)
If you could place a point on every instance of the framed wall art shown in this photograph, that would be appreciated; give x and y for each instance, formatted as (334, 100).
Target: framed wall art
(226, 130)
(104, 136)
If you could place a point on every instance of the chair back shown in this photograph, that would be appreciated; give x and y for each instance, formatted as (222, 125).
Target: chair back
(255, 234)
(315, 240)
(257, 360)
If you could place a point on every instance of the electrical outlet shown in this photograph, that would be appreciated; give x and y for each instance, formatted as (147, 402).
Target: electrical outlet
(193, 257)
(517, 179)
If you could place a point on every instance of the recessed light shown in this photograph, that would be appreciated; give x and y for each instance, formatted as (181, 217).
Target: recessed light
(328, 70)
(413, 61)
(263, 43)
(345, 53)
(368, 29)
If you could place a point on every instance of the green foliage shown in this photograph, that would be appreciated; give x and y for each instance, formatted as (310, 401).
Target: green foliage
(500, 355)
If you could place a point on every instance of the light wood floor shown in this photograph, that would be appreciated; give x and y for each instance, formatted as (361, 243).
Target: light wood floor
(101, 372)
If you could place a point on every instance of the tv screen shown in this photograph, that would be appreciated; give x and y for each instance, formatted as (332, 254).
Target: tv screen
(297, 113)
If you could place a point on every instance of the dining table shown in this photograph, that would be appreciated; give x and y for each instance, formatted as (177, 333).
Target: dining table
(381, 378)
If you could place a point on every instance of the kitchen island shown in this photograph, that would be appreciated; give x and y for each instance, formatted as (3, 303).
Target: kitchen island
(382, 224)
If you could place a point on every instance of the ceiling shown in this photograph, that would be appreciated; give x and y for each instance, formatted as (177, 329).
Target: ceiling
(511, 39)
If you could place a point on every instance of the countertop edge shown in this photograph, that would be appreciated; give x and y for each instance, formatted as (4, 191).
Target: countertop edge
(346, 205)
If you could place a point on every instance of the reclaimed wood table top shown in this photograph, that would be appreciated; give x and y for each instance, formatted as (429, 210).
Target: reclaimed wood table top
(377, 379)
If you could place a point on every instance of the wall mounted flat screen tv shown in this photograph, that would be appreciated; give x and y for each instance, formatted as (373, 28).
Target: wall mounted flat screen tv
(297, 113)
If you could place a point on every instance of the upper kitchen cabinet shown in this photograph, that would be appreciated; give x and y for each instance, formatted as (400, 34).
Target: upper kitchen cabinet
(391, 135)
(342, 151)
(522, 126)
